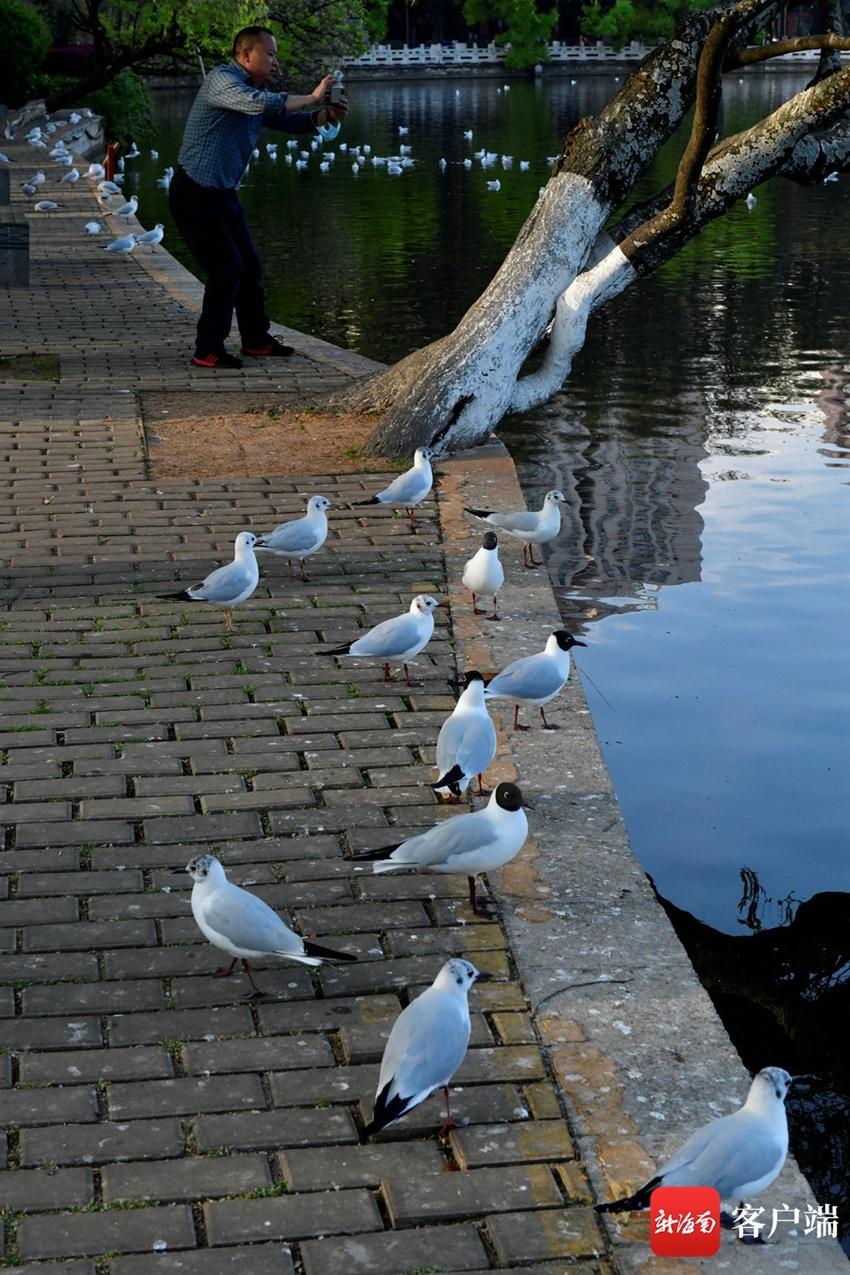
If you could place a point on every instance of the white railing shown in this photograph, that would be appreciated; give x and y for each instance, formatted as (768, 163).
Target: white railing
(458, 54)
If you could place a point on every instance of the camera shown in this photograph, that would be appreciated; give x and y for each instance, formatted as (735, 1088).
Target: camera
(337, 93)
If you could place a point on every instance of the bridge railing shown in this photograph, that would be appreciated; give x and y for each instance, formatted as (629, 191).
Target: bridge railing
(462, 54)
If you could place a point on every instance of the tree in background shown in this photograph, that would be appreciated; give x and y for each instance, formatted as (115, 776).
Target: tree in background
(526, 32)
(148, 36)
(313, 36)
(626, 20)
(26, 39)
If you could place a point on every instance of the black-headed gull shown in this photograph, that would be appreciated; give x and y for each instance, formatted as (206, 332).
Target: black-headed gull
(409, 488)
(466, 743)
(484, 575)
(739, 1155)
(535, 679)
(400, 638)
(229, 585)
(241, 924)
(426, 1045)
(301, 537)
(529, 526)
(465, 845)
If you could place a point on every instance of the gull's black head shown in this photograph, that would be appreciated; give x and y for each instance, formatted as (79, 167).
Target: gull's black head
(490, 540)
(566, 640)
(473, 676)
(508, 797)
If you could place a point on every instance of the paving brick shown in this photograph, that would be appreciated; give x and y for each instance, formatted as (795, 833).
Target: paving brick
(47, 1106)
(261, 1130)
(453, 1196)
(202, 827)
(184, 1024)
(52, 1033)
(444, 1248)
(87, 1066)
(518, 1143)
(293, 1218)
(117, 1230)
(184, 1096)
(76, 832)
(256, 1259)
(32, 1190)
(47, 883)
(93, 998)
(522, 1237)
(333, 1168)
(86, 935)
(258, 1054)
(33, 911)
(194, 1178)
(102, 1143)
(37, 969)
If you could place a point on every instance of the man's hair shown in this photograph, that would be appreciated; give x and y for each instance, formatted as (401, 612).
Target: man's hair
(247, 38)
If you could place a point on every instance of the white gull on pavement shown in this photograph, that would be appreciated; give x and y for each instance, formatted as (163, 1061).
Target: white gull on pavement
(399, 638)
(466, 743)
(301, 537)
(535, 679)
(528, 526)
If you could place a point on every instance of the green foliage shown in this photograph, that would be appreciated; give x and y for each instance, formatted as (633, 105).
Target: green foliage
(528, 29)
(315, 35)
(627, 20)
(26, 39)
(126, 107)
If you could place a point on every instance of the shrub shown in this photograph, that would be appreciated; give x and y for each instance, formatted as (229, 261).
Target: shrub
(26, 39)
(126, 106)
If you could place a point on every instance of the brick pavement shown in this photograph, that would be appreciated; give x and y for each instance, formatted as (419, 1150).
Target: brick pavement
(156, 1121)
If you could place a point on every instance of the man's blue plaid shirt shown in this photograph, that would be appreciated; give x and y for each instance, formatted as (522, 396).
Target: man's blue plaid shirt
(224, 122)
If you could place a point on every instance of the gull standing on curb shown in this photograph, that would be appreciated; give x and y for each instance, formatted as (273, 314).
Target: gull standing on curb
(466, 844)
(426, 1045)
(301, 537)
(128, 210)
(466, 743)
(241, 924)
(152, 237)
(535, 679)
(124, 245)
(400, 638)
(229, 585)
(739, 1155)
(531, 527)
(409, 488)
(484, 574)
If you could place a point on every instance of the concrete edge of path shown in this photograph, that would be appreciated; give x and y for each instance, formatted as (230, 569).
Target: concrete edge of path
(633, 1038)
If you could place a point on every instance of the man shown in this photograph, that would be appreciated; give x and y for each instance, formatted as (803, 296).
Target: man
(221, 133)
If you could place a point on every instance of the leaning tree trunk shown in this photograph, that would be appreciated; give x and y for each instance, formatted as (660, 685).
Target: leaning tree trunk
(563, 265)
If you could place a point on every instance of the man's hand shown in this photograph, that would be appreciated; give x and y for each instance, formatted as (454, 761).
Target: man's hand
(322, 89)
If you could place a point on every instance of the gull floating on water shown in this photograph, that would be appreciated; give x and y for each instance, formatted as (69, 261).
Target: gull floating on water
(464, 845)
(483, 574)
(229, 585)
(529, 526)
(400, 638)
(301, 537)
(241, 924)
(739, 1155)
(466, 743)
(535, 679)
(751, 201)
(426, 1045)
(410, 488)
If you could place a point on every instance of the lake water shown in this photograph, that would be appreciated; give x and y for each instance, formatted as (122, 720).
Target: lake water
(703, 442)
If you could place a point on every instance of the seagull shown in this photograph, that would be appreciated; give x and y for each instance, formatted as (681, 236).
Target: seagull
(427, 1044)
(400, 638)
(409, 488)
(245, 927)
(466, 845)
(133, 152)
(152, 237)
(738, 1155)
(72, 176)
(28, 188)
(751, 201)
(108, 188)
(466, 743)
(124, 245)
(468, 134)
(92, 228)
(38, 178)
(403, 130)
(95, 170)
(484, 574)
(4, 159)
(496, 185)
(532, 528)
(154, 154)
(229, 585)
(523, 165)
(129, 209)
(536, 679)
(394, 169)
(301, 537)
(46, 206)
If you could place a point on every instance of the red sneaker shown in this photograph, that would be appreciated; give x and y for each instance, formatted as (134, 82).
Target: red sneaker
(216, 360)
(270, 348)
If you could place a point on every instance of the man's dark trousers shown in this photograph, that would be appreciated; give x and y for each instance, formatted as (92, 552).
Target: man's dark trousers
(213, 225)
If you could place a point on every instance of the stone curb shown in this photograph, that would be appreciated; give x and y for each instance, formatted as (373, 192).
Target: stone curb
(634, 1041)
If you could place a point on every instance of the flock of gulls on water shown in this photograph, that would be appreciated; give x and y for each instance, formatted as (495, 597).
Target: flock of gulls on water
(740, 1154)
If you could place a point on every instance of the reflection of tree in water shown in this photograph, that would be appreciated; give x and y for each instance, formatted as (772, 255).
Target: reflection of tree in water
(833, 402)
(783, 992)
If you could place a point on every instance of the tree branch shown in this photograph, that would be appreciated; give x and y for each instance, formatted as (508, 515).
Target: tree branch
(764, 52)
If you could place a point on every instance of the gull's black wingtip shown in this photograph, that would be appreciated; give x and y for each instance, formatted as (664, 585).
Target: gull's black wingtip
(477, 513)
(372, 500)
(325, 953)
(451, 780)
(336, 650)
